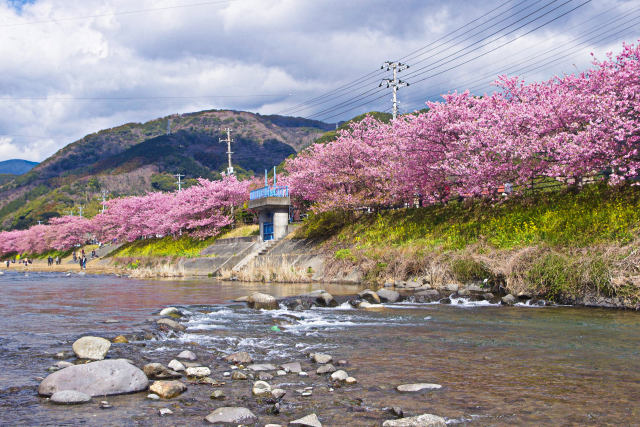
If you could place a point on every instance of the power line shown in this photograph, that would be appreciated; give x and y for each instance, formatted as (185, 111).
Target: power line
(129, 12)
(459, 56)
(315, 100)
(426, 68)
(597, 36)
(127, 98)
(364, 83)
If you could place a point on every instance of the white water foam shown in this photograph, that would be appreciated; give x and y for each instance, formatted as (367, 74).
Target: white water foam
(465, 302)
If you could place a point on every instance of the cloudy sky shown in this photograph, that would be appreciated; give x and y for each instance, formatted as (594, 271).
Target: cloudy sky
(72, 67)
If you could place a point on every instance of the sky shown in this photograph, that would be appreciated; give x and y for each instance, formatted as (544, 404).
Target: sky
(73, 67)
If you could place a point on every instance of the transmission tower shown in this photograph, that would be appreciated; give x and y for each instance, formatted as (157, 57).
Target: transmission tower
(229, 152)
(104, 199)
(394, 83)
(179, 182)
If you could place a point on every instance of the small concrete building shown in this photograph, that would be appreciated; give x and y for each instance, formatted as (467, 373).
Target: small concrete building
(272, 204)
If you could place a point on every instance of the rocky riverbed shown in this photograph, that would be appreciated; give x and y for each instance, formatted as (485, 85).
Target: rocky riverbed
(202, 352)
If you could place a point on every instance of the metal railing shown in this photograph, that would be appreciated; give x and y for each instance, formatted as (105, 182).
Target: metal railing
(269, 191)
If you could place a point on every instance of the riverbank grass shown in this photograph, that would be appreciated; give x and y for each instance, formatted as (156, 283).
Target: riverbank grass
(596, 214)
(183, 246)
(560, 245)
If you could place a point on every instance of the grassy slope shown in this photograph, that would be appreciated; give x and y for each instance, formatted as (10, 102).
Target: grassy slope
(559, 244)
(185, 246)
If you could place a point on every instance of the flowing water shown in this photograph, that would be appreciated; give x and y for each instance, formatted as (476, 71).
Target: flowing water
(497, 365)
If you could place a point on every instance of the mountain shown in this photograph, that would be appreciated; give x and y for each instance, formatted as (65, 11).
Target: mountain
(138, 157)
(16, 166)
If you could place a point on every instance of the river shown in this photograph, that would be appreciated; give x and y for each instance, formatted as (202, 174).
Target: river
(497, 365)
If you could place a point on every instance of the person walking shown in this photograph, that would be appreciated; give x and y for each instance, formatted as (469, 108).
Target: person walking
(84, 262)
(75, 256)
(8, 263)
(58, 260)
(49, 260)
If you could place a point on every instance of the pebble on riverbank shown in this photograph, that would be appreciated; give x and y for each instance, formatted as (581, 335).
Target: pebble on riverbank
(424, 420)
(168, 389)
(93, 348)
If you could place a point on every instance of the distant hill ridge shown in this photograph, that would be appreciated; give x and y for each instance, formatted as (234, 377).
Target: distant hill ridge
(16, 166)
(135, 158)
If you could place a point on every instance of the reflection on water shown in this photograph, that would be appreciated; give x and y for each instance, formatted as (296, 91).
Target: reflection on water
(497, 365)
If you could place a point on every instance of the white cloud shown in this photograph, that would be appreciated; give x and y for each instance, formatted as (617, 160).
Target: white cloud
(293, 49)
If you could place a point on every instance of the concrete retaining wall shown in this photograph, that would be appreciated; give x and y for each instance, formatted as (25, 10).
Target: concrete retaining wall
(224, 253)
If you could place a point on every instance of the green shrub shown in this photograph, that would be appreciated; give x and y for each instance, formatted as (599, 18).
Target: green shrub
(467, 270)
(345, 254)
(560, 278)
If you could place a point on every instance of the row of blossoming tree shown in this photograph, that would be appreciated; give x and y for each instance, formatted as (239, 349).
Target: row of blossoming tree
(567, 128)
(201, 211)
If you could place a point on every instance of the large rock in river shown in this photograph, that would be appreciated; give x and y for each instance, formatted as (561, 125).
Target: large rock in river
(424, 420)
(370, 296)
(94, 348)
(102, 378)
(170, 324)
(241, 357)
(232, 415)
(167, 389)
(387, 295)
(325, 299)
(417, 387)
(310, 420)
(262, 301)
(157, 371)
(70, 397)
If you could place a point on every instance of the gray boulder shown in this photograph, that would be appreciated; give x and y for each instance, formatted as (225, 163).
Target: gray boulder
(308, 421)
(424, 420)
(339, 375)
(200, 371)
(387, 295)
(170, 324)
(293, 367)
(176, 365)
(102, 378)
(262, 301)
(241, 357)
(168, 389)
(262, 367)
(370, 296)
(170, 311)
(70, 397)
(326, 369)
(94, 348)
(157, 371)
(260, 388)
(508, 299)
(414, 388)
(321, 358)
(232, 415)
(325, 299)
(187, 355)
(452, 287)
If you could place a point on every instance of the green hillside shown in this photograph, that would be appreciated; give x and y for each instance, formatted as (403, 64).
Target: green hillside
(138, 157)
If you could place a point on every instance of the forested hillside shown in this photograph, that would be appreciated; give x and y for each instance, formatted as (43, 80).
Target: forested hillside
(139, 157)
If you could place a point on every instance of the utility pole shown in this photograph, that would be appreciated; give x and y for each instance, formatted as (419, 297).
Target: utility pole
(169, 126)
(394, 83)
(229, 152)
(80, 210)
(39, 222)
(104, 199)
(179, 182)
